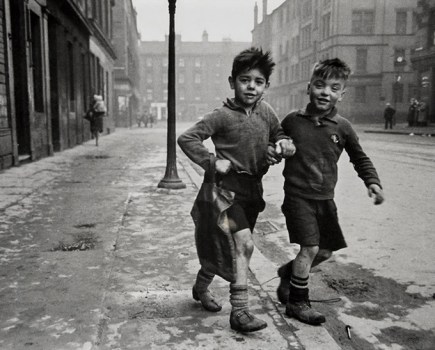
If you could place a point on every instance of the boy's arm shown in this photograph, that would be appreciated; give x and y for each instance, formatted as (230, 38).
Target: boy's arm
(191, 142)
(364, 167)
(283, 143)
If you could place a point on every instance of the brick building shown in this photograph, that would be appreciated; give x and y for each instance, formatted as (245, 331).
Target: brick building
(423, 57)
(202, 70)
(126, 72)
(374, 37)
(56, 54)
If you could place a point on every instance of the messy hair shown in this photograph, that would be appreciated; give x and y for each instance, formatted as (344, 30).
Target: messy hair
(331, 68)
(253, 58)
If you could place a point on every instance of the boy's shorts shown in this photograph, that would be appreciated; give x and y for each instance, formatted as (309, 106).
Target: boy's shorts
(313, 223)
(248, 199)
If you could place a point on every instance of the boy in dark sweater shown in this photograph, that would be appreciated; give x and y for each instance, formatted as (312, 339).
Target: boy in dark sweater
(320, 134)
(241, 131)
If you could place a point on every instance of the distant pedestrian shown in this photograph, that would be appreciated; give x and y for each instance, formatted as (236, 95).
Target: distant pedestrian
(241, 131)
(413, 112)
(95, 114)
(151, 119)
(320, 135)
(389, 116)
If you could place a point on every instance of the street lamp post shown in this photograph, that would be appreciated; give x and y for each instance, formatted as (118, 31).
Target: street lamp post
(171, 179)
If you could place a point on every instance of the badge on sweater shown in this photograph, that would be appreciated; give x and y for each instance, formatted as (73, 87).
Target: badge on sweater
(335, 138)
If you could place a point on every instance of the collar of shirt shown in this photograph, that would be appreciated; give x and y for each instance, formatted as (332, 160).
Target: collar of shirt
(331, 116)
(232, 104)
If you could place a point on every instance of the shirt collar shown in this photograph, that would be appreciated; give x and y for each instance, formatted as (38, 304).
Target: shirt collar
(330, 117)
(232, 104)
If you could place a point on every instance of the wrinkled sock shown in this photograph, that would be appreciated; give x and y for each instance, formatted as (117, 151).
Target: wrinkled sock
(203, 280)
(239, 297)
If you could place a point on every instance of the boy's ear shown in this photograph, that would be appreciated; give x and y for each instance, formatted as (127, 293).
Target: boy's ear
(231, 81)
(341, 95)
(308, 88)
(267, 84)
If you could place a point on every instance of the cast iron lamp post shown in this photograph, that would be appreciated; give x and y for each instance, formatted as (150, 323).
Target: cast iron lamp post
(171, 179)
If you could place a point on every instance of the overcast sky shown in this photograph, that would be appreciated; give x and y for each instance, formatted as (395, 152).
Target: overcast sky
(220, 18)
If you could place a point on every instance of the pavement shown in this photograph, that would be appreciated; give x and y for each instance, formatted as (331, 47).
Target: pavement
(399, 129)
(132, 288)
(94, 256)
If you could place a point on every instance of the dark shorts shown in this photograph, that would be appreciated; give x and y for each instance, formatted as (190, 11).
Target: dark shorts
(248, 200)
(313, 223)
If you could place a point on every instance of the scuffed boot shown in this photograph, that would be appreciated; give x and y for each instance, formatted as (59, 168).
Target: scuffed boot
(243, 321)
(283, 291)
(302, 311)
(207, 299)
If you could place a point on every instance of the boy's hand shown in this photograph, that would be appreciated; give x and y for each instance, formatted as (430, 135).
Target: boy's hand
(223, 166)
(376, 192)
(272, 156)
(285, 148)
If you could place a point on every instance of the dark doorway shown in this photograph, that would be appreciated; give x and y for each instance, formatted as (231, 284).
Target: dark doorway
(54, 91)
(20, 79)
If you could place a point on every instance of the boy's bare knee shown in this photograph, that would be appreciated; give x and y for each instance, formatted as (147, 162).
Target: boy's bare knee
(244, 243)
(310, 251)
(324, 254)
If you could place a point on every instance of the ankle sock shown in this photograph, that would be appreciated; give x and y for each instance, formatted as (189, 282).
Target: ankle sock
(239, 297)
(203, 280)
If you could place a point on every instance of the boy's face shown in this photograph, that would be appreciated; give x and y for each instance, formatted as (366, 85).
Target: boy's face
(248, 87)
(325, 93)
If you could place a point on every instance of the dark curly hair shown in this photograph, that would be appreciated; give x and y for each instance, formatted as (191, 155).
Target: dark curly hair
(253, 58)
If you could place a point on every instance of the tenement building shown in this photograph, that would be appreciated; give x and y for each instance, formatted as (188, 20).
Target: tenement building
(374, 37)
(202, 71)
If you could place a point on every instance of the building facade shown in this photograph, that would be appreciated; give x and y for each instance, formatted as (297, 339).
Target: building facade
(423, 58)
(126, 73)
(202, 71)
(374, 37)
(56, 54)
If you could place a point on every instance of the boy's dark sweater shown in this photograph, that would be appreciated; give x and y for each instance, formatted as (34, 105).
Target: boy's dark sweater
(312, 172)
(237, 137)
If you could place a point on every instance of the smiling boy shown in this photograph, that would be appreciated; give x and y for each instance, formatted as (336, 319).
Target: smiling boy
(320, 135)
(241, 131)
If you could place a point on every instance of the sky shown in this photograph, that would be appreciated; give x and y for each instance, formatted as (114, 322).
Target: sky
(220, 18)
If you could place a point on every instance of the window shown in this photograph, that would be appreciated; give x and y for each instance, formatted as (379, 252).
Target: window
(181, 94)
(149, 94)
(399, 57)
(326, 26)
(363, 22)
(181, 62)
(306, 36)
(397, 92)
(401, 21)
(181, 78)
(197, 62)
(165, 95)
(306, 9)
(360, 94)
(361, 60)
(164, 62)
(197, 78)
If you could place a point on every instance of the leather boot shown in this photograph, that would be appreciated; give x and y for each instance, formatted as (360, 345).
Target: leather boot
(207, 299)
(243, 321)
(299, 307)
(283, 291)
